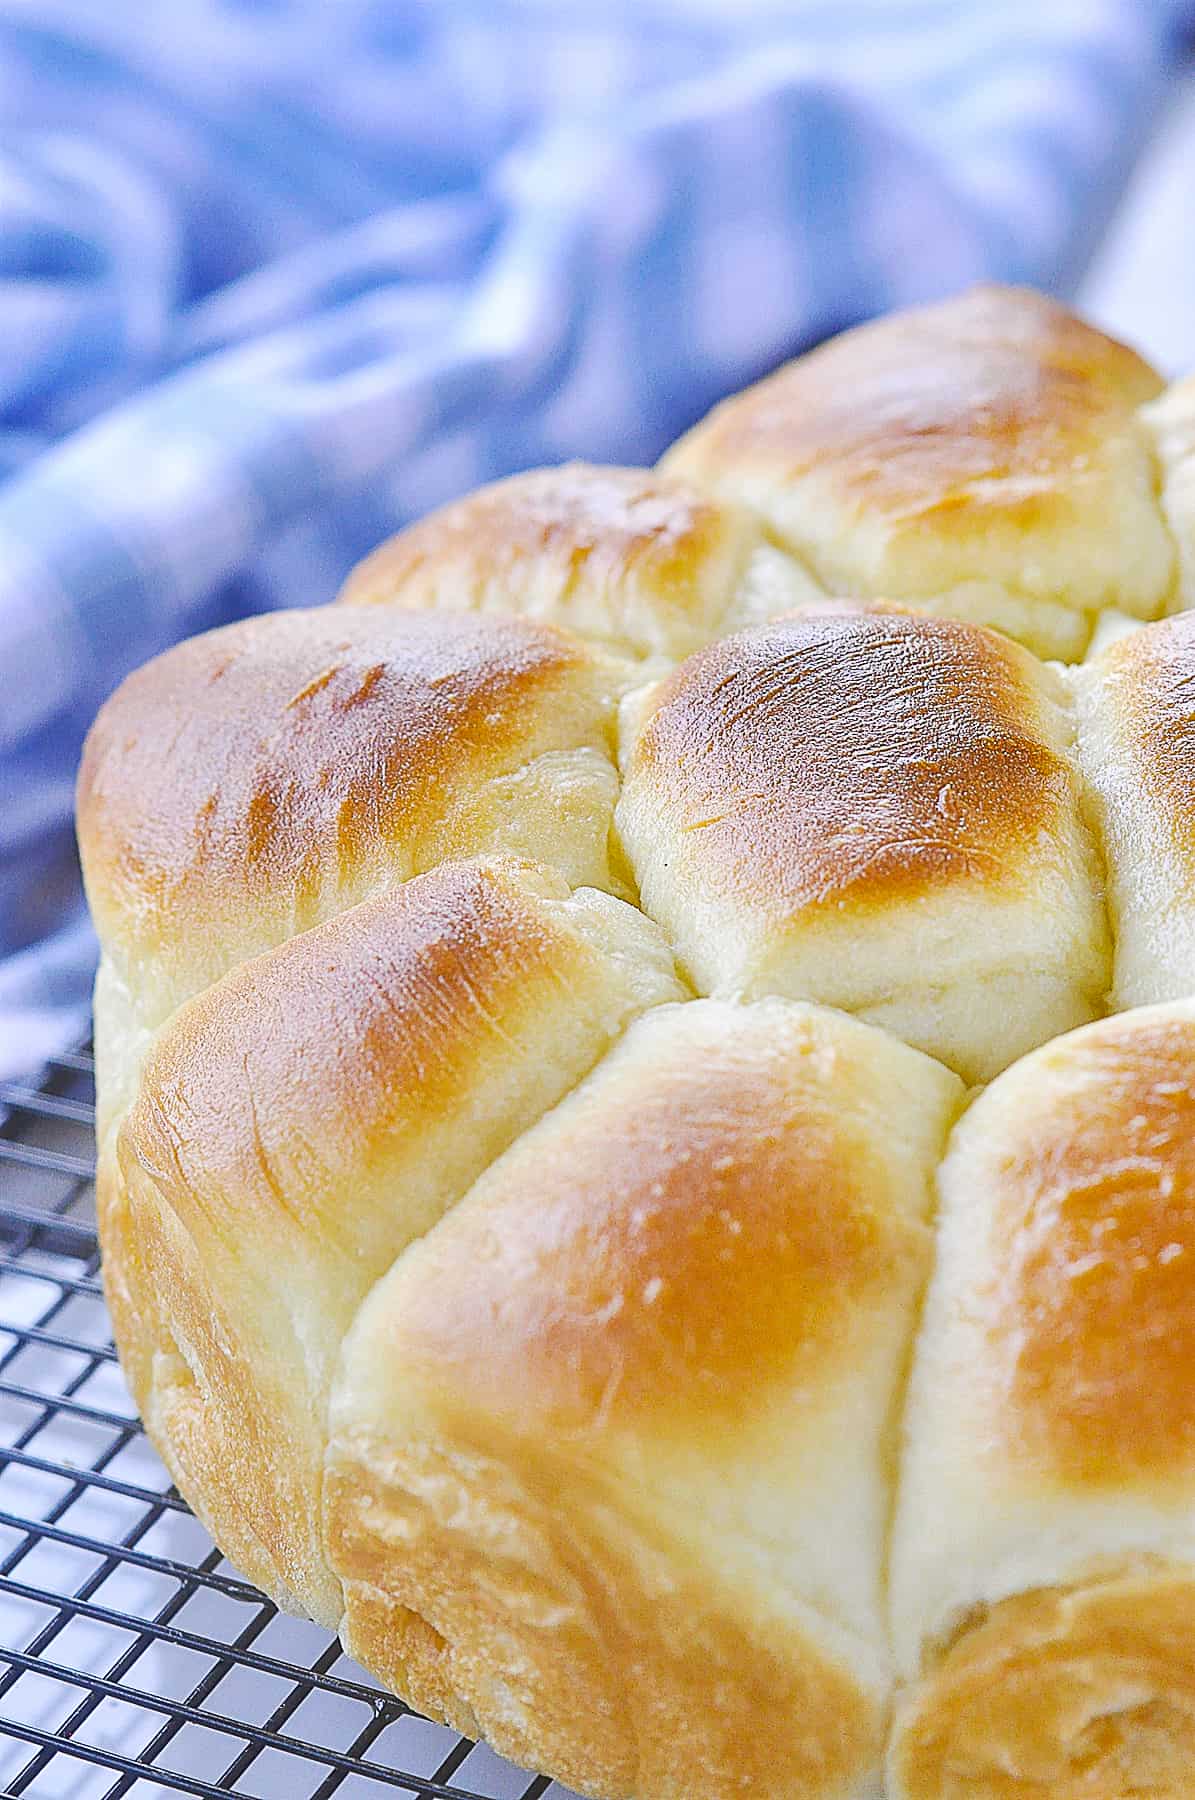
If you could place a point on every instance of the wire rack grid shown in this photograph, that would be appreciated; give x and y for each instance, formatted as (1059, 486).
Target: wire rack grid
(134, 1661)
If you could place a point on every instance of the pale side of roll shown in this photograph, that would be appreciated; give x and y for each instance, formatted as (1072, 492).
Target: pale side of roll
(1170, 422)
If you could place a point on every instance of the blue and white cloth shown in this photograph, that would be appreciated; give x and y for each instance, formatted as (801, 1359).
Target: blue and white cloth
(275, 277)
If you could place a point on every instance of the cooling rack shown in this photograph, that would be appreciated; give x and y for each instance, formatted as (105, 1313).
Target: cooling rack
(133, 1659)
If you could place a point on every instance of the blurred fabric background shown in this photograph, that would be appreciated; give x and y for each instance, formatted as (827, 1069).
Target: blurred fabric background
(277, 275)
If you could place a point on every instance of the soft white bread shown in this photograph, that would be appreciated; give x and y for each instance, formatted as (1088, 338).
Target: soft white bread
(642, 561)
(875, 811)
(1136, 707)
(981, 458)
(1043, 1573)
(611, 1446)
(297, 1125)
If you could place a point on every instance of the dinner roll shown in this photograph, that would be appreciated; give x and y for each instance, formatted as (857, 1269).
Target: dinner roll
(981, 458)
(610, 1466)
(1044, 1551)
(297, 1125)
(875, 811)
(638, 560)
(254, 781)
(1136, 703)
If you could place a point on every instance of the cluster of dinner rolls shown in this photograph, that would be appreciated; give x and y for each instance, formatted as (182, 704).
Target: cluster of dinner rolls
(647, 1087)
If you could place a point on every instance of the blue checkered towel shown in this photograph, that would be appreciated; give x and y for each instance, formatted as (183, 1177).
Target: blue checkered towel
(273, 278)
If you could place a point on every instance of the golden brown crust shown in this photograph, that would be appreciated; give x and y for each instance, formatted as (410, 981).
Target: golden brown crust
(1090, 1310)
(636, 558)
(1075, 1694)
(974, 403)
(1049, 1426)
(251, 781)
(676, 1262)
(973, 441)
(832, 760)
(249, 1106)
(874, 810)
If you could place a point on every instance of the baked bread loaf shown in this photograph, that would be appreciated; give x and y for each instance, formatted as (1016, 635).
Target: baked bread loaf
(541, 1026)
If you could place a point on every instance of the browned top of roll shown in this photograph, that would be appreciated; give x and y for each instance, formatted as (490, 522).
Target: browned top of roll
(857, 757)
(625, 554)
(980, 402)
(278, 1092)
(254, 768)
(711, 1219)
(592, 523)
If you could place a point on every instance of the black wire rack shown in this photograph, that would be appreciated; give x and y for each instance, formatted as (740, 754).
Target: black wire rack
(133, 1659)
